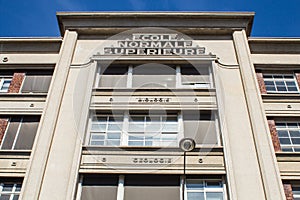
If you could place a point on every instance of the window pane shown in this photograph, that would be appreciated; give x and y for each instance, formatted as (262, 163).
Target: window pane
(295, 133)
(194, 184)
(98, 127)
(8, 187)
(284, 141)
(296, 141)
(5, 197)
(195, 196)
(214, 196)
(283, 133)
(16, 197)
(97, 143)
(214, 184)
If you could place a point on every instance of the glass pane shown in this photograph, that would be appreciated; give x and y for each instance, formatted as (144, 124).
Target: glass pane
(287, 149)
(283, 134)
(194, 184)
(113, 135)
(281, 88)
(270, 89)
(296, 141)
(213, 184)
(295, 133)
(290, 83)
(214, 196)
(114, 127)
(297, 149)
(153, 128)
(99, 127)
(279, 83)
(16, 197)
(170, 128)
(18, 188)
(113, 142)
(195, 196)
(5, 197)
(135, 143)
(97, 143)
(269, 83)
(284, 141)
(136, 127)
(8, 187)
(292, 125)
(292, 89)
(280, 125)
(97, 137)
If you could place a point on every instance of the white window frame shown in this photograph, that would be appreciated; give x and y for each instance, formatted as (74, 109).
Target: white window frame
(178, 79)
(2, 81)
(11, 193)
(124, 139)
(296, 194)
(283, 79)
(286, 128)
(16, 136)
(205, 189)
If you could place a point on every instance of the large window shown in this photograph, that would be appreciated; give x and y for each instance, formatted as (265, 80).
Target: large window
(134, 129)
(10, 189)
(152, 128)
(37, 81)
(200, 189)
(280, 83)
(20, 133)
(4, 84)
(289, 135)
(155, 76)
(149, 187)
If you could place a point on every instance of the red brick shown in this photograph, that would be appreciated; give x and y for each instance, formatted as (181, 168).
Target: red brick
(261, 83)
(298, 78)
(16, 83)
(274, 135)
(3, 126)
(288, 191)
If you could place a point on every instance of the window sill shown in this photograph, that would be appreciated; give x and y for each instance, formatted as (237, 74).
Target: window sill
(15, 152)
(143, 148)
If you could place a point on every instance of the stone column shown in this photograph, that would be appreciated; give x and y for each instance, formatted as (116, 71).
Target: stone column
(269, 170)
(34, 178)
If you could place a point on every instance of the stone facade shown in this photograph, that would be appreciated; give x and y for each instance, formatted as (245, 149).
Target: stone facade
(3, 126)
(261, 83)
(288, 191)
(274, 135)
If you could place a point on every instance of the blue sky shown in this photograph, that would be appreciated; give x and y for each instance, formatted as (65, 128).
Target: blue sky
(37, 18)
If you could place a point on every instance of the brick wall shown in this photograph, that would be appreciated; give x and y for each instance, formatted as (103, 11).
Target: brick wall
(3, 126)
(16, 83)
(288, 191)
(274, 135)
(261, 83)
(298, 78)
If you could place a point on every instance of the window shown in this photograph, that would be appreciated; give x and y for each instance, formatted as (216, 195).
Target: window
(149, 187)
(289, 135)
(296, 191)
(106, 130)
(10, 189)
(153, 130)
(280, 83)
(37, 81)
(4, 84)
(138, 130)
(195, 76)
(198, 189)
(155, 76)
(20, 133)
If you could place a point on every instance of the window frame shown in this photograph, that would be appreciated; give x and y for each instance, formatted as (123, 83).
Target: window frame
(178, 79)
(273, 80)
(286, 128)
(2, 81)
(205, 188)
(124, 139)
(14, 191)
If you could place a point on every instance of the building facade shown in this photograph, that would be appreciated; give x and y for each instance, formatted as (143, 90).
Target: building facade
(99, 113)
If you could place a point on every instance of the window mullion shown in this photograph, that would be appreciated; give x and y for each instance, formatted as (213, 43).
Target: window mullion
(178, 77)
(125, 129)
(129, 76)
(17, 134)
(120, 191)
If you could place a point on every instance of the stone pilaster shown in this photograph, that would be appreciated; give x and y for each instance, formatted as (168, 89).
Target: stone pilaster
(16, 83)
